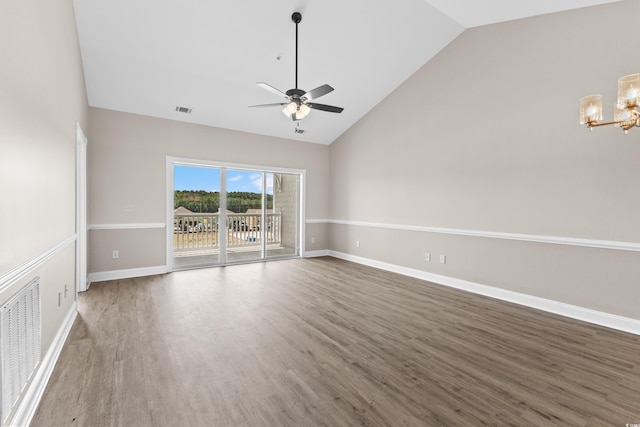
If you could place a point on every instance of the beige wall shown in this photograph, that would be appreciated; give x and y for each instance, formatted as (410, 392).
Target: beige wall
(317, 236)
(127, 158)
(43, 95)
(486, 137)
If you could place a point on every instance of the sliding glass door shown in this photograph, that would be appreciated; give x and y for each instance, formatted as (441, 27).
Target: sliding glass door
(224, 214)
(196, 216)
(245, 203)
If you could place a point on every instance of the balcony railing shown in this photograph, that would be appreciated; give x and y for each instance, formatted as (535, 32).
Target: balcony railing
(199, 231)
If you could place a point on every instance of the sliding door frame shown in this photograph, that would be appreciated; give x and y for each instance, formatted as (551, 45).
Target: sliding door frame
(172, 161)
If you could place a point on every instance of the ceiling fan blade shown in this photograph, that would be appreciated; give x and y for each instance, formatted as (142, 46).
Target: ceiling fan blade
(272, 90)
(317, 92)
(322, 107)
(278, 104)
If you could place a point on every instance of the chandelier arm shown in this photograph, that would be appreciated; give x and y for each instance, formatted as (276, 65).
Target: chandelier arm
(595, 124)
(624, 124)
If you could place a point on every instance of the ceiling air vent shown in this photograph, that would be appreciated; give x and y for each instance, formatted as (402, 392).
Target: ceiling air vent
(183, 110)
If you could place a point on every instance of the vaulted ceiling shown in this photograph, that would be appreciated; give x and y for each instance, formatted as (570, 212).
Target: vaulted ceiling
(150, 56)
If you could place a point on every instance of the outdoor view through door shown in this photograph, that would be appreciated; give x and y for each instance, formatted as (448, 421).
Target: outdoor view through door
(224, 215)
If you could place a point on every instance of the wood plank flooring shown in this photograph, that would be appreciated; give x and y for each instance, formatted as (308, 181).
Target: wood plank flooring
(325, 342)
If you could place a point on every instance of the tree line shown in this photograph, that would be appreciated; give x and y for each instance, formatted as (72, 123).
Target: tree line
(209, 201)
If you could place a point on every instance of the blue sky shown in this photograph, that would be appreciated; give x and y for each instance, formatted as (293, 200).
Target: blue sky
(208, 179)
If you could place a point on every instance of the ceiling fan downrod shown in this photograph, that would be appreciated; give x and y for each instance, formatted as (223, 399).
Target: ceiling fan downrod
(296, 18)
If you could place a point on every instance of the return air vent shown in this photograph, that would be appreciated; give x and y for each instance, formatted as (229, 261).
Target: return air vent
(20, 343)
(183, 110)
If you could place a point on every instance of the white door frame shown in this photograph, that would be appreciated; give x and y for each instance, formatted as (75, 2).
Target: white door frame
(171, 161)
(81, 210)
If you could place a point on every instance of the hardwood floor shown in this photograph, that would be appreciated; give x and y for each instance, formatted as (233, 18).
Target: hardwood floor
(324, 342)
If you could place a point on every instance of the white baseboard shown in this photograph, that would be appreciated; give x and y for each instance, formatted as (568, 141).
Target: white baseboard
(608, 320)
(29, 404)
(127, 274)
(314, 254)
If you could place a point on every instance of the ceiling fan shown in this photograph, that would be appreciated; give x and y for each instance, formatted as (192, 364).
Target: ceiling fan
(298, 106)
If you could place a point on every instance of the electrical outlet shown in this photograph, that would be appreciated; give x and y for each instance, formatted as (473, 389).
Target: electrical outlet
(128, 208)
(427, 256)
(115, 254)
(313, 240)
(443, 259)
(357, 243)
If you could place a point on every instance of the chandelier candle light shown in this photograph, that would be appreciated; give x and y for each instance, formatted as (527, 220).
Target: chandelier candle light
(626, 113)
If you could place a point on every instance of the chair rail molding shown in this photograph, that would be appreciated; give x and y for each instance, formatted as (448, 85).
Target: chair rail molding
(534, 238)
(130, 226)
(11, 276)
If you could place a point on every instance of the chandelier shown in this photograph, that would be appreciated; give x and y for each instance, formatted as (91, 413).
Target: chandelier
(626, 114)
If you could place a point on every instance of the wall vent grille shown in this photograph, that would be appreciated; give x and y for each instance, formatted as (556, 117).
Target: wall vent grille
(183, 110)
(20, 339)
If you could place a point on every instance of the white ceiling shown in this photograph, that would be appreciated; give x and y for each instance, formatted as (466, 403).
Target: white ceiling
(149, 56)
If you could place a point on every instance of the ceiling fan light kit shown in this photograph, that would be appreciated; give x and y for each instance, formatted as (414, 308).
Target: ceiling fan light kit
(626, 114)
(298, 106)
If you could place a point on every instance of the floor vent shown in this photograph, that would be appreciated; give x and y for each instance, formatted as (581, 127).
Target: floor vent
(20, 341)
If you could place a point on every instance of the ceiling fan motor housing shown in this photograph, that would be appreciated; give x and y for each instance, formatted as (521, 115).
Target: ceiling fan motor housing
(295, 93)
